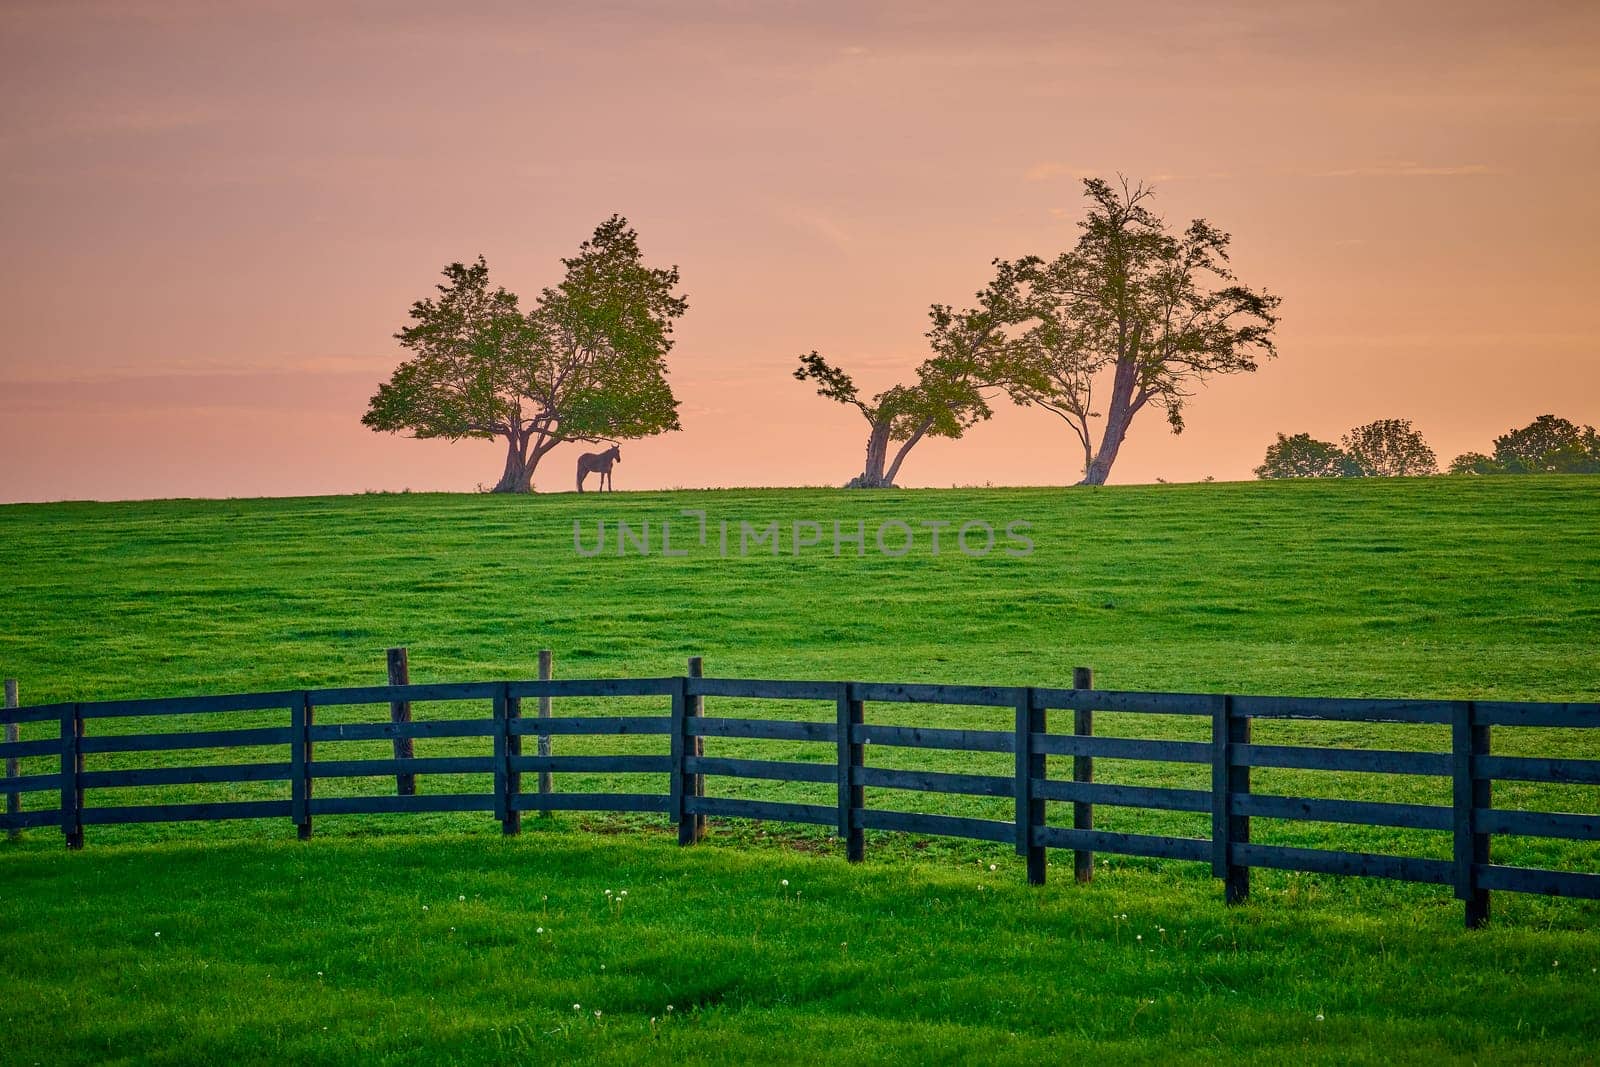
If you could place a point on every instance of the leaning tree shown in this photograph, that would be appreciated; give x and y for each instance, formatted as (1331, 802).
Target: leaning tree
(588, 363)
(1135, 316)
(972, 361)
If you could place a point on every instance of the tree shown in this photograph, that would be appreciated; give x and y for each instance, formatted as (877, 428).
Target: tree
(1303, 456)
(1549, 445)
(972, 359)
(1145, 314)
(588, 363)
(1390, 448)
(1475, 463)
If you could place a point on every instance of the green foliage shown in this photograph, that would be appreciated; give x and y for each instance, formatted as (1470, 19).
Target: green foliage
(1475, 463)
(588, 363)
(1154, 312)
(1390, 448)
(1303, 456)
(1549, 445)
(469, 344)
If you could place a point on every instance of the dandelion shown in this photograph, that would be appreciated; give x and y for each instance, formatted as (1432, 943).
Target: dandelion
(785, 883)
(462, 896)
(991, 866)
(608, 892)
(540, 930)
(158, 933)
(577, 1007)
(669, 1009)
(424, 907)
(602, 966)
(1138, 937)
(1557, 963)
(597, 1013)
(623, 893)
(1161, 929)
(1319, 1016)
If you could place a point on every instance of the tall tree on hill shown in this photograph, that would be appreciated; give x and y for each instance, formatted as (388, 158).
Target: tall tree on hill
(588, 363)
(973, 359)
(1390, 448)
(1136, 316)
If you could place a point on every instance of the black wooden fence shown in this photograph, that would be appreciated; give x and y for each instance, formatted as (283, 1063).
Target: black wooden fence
(1472, 768)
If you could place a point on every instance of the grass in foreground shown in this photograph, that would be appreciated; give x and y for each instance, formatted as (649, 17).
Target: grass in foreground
(457, 948)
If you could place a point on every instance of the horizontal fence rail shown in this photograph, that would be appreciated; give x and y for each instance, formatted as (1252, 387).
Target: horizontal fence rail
(313, 757)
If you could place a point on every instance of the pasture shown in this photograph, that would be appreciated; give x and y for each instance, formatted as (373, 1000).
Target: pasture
(1482, 588)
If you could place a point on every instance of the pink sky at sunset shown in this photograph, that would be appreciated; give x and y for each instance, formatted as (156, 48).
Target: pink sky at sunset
(216, 216)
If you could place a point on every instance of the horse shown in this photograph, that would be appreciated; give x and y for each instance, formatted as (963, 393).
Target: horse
(601, 462)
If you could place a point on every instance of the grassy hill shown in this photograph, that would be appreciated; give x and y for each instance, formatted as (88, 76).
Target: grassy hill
(1441, 587)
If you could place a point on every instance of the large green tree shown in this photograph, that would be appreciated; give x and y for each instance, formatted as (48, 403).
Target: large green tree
(587, 363)
(1136, 316)
(973, 359)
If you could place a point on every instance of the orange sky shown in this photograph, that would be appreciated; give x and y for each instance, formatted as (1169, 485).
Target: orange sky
(215, 216)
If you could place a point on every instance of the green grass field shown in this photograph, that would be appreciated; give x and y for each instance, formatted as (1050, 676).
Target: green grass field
(1439, 588)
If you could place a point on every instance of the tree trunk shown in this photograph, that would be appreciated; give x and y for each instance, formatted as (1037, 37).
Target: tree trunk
(900, 456)
(871, 476)
(1119, 417)
(518, 474)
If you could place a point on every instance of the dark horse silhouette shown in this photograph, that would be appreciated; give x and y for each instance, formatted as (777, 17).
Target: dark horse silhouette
(600, 462)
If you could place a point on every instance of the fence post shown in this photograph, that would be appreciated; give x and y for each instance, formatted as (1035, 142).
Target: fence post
(852, 795)
(13, 765)
(1082, 771)
(1030, 766)
(301, 716)
(71, 772)
(511, 824)
(546, 672)
(1228, 732)
(1468, 741)
(682, 785)
(399, 712)
(696, 709)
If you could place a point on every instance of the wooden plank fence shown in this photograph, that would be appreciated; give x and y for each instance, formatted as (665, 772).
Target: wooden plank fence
(1471, 819)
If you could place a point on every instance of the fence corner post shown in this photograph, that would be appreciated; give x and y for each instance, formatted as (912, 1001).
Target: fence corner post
(1083, 771)
(1471, 793)
(72, 775)
(13, 765)
(546, 672)
(405, 785)
(695, 709)
(852, 758)
(1030, 769)
(301, 716)
(1229, 779)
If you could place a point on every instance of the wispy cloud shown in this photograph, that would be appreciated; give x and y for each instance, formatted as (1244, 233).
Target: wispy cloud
(1404, 170)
